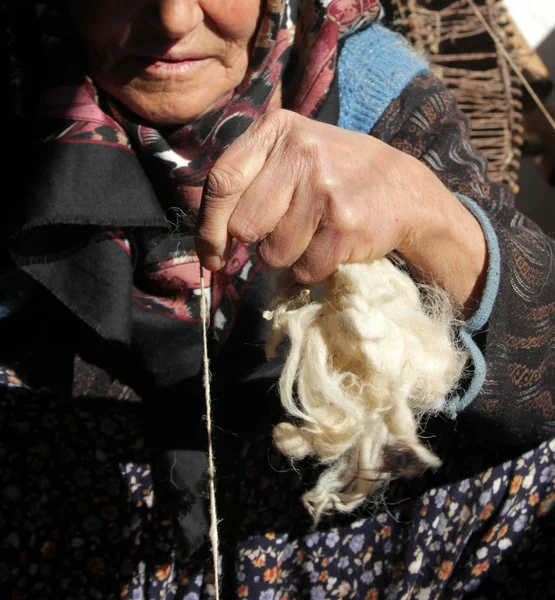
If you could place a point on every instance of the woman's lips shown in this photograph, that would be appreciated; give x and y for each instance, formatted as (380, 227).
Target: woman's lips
(162, 67)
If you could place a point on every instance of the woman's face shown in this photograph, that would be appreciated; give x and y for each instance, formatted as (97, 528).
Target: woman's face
(169, 61)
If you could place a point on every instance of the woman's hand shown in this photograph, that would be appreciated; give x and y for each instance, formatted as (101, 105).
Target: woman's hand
(314, 196)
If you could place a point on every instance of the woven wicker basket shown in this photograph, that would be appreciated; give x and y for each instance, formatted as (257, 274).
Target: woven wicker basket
(468, 61)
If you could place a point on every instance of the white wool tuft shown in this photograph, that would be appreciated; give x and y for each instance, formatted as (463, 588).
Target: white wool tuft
(364, 365)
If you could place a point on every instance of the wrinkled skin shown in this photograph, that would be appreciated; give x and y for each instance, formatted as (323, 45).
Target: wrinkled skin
(121, 35)
(343, 197)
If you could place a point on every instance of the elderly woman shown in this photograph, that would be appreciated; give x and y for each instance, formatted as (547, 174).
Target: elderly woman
(244, 134)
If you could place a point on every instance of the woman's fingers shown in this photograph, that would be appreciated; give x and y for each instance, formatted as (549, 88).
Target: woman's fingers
(265, 202)
(290, 238)
(223, 189)
(227, 182)
(325, 253)
(315, 196)
(311, 195)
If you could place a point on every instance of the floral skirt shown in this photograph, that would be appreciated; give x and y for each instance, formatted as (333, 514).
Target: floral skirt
(81, 518)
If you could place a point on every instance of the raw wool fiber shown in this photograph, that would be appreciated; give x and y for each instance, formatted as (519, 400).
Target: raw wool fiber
(364, 364)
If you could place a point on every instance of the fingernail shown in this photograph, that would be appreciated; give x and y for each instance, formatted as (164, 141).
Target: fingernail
(212, 263)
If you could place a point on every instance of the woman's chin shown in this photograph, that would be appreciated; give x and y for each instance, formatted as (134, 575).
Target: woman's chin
(169, 105)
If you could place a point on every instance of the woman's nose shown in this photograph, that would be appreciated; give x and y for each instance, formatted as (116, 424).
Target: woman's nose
(174, 18)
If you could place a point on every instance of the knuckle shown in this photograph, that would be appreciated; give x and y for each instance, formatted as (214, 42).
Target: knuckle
(308, 145)
(343, 219)
(223, 181)
(279, 118)
(276, 127)
(330, 186)
(243, 230)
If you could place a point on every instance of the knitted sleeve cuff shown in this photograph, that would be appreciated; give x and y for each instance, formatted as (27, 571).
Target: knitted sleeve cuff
(479, 319)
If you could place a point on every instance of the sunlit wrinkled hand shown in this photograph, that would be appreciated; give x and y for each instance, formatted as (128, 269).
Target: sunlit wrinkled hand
(314, 196)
